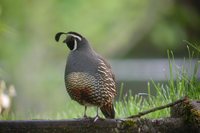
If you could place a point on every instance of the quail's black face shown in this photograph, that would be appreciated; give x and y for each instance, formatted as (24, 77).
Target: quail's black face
(72, 40)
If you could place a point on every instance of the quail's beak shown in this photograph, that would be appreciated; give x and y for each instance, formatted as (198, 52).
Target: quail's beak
(64, 41)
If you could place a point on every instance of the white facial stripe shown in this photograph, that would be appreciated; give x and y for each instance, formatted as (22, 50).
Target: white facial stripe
(75, 45)
(79, 38)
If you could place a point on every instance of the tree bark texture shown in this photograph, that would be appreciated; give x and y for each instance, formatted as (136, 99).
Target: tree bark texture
(185, 118)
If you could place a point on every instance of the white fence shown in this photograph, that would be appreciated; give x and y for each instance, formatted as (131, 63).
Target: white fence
(147, 69)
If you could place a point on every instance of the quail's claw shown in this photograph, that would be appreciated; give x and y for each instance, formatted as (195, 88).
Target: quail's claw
(86, 117)
(96, 118)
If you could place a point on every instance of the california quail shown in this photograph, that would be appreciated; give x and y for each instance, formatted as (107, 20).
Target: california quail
(88, 77)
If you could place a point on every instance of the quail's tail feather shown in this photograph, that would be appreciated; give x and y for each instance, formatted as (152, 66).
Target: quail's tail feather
(108, 111)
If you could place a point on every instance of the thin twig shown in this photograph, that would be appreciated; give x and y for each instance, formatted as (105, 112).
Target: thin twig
(158, 108)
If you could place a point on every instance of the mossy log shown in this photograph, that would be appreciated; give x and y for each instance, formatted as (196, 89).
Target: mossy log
(185, 118)
(189, 111)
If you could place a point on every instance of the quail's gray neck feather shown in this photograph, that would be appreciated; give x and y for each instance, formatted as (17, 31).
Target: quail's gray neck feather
(82, 60)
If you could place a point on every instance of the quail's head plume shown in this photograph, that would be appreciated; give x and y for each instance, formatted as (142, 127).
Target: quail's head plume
(89, 79)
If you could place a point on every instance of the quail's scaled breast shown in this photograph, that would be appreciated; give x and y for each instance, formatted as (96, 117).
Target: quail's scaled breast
(89, 79)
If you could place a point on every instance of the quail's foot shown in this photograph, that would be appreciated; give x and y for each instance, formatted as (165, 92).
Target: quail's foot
(86, 117)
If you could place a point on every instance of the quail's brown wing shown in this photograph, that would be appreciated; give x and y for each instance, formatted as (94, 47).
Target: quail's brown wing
(105, 69)
(108, 91)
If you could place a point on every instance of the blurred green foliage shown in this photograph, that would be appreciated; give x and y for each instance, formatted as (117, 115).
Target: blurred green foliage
(34, 62)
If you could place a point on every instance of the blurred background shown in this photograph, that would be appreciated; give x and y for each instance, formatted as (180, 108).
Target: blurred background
(133, 34)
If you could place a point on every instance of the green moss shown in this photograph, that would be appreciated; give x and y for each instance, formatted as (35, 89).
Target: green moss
(195, 116)
(191, 114)
(129, 123)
